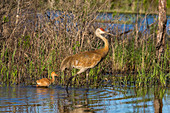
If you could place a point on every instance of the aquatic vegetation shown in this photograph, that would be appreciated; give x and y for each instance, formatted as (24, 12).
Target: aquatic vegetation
(37, 45)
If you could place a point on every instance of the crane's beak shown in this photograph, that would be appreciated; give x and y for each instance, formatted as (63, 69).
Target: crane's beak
(56, 75)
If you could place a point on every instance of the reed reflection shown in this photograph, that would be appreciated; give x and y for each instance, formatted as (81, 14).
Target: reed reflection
(76, 101)
(158, 96)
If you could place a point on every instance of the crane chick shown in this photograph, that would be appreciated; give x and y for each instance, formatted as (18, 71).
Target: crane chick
(45, 82)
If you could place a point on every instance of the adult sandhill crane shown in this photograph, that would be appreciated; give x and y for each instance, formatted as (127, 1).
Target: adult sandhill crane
(88, 59)
(45, 81)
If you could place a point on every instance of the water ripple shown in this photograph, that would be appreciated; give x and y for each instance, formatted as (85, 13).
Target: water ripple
(107, 99)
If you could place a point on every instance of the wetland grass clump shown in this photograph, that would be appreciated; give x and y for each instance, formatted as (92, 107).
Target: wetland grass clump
(36, 46)
(140, 61)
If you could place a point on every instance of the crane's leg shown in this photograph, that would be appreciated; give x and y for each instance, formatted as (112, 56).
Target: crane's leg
(81, 70)
(87, 79)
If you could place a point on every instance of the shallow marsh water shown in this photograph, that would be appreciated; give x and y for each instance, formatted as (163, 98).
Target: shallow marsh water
(55, 99)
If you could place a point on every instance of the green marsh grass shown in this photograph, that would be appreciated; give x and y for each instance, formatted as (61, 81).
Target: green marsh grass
(139, 62)
(34, 52)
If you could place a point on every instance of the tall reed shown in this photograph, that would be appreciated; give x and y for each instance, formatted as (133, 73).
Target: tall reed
(36, 46)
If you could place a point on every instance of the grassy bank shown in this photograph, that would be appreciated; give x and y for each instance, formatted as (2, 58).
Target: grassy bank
(34, 46)
(30, 58)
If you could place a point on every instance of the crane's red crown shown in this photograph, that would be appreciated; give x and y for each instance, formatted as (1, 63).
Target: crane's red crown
(101, 29)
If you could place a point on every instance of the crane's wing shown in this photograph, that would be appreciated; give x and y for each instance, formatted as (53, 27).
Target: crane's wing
(87, 59)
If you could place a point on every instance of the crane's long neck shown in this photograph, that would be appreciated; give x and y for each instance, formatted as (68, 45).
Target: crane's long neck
(105, 49)
(53, 78)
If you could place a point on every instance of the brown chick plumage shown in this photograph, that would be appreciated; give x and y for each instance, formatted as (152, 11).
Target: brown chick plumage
(46, 81)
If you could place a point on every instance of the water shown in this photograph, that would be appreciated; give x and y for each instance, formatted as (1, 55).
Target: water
(55, 99)
(129, 21)
(124, 21)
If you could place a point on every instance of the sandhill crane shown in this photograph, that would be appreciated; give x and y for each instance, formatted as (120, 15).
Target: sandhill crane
(45, 81)
(88, 59)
